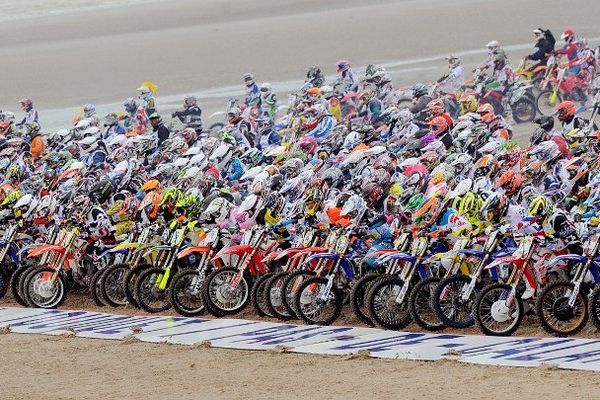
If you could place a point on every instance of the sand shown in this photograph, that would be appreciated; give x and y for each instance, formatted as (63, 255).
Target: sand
(72, 368)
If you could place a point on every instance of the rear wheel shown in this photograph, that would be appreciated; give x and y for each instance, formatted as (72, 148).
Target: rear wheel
(290, 287)
(96, 288)
(523, 110)
(14, 285)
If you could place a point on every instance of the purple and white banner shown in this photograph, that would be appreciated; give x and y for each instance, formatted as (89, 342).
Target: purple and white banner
(334, 340)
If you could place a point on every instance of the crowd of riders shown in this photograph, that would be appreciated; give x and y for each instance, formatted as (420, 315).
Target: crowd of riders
(353, 152)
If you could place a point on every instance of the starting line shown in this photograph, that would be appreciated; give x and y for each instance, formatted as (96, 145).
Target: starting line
(565, 353)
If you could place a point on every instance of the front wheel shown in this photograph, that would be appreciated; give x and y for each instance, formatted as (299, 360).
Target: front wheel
(112, 285)
(150, 296)
(523, 110)
(316, 304)
(420, 305)
(14, 285)
(273, 288)
(358, 295)
(383, 308)
(555, 314)
(221, 296)
(547, 100)
(259, 296)
(45, 288)
(449, 305)
(493, 313)
(186, 293)
(96, 288)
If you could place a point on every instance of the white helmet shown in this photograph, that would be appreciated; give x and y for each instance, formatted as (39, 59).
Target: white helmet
(352, 140)
(144, 91)
(198, 159)
(88, 145)
(192, 151)
(251, 202)
(26, 205)
(265, 89)
(221, 155)
(493, 45)
(461, 189)
(181, 162)
(192, 172)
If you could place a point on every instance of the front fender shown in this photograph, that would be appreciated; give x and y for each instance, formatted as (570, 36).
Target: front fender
(308, 250)
(504, 260)
(125, 246)
(326, 256)
(46, 248)
(278, 255)
(193, 249)
(471, 252)
(395, 257)
(238, 249)
(567, 257)
(378, 253)
(156, 248)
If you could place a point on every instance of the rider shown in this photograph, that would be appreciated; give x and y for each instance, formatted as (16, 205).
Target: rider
(191, 115)
(454, 79)
(544, 45)
(346, 76)
(148, 102)
(570, 50)
(314, 77)
(503, 77)
(159, 128)
(252, 90)
(566, 115)
(130, 117)
(268, 101)
(112, 126)
(31, 114)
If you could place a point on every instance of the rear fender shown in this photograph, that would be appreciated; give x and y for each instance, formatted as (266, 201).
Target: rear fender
(193, 250)
(46, 248)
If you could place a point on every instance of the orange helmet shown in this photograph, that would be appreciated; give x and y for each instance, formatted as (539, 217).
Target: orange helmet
(565, 110)
(438, 125)
(487, 165)
(436, 106)
(485, 109)
(152, 184)
(510, 181)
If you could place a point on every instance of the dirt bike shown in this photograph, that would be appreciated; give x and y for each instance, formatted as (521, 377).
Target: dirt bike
(534, 73)
(113, 282)
(185, 290)
(152, 285)
(361, 286)
(47, 285)
(273, 283)
(420, 303)
(24, 267)
(562, 307)
(388, 297)
(11, 242)
(319, 299)
(499, 308)
(291, 281)
(226, 290)
(454, 296)
(563, 86)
